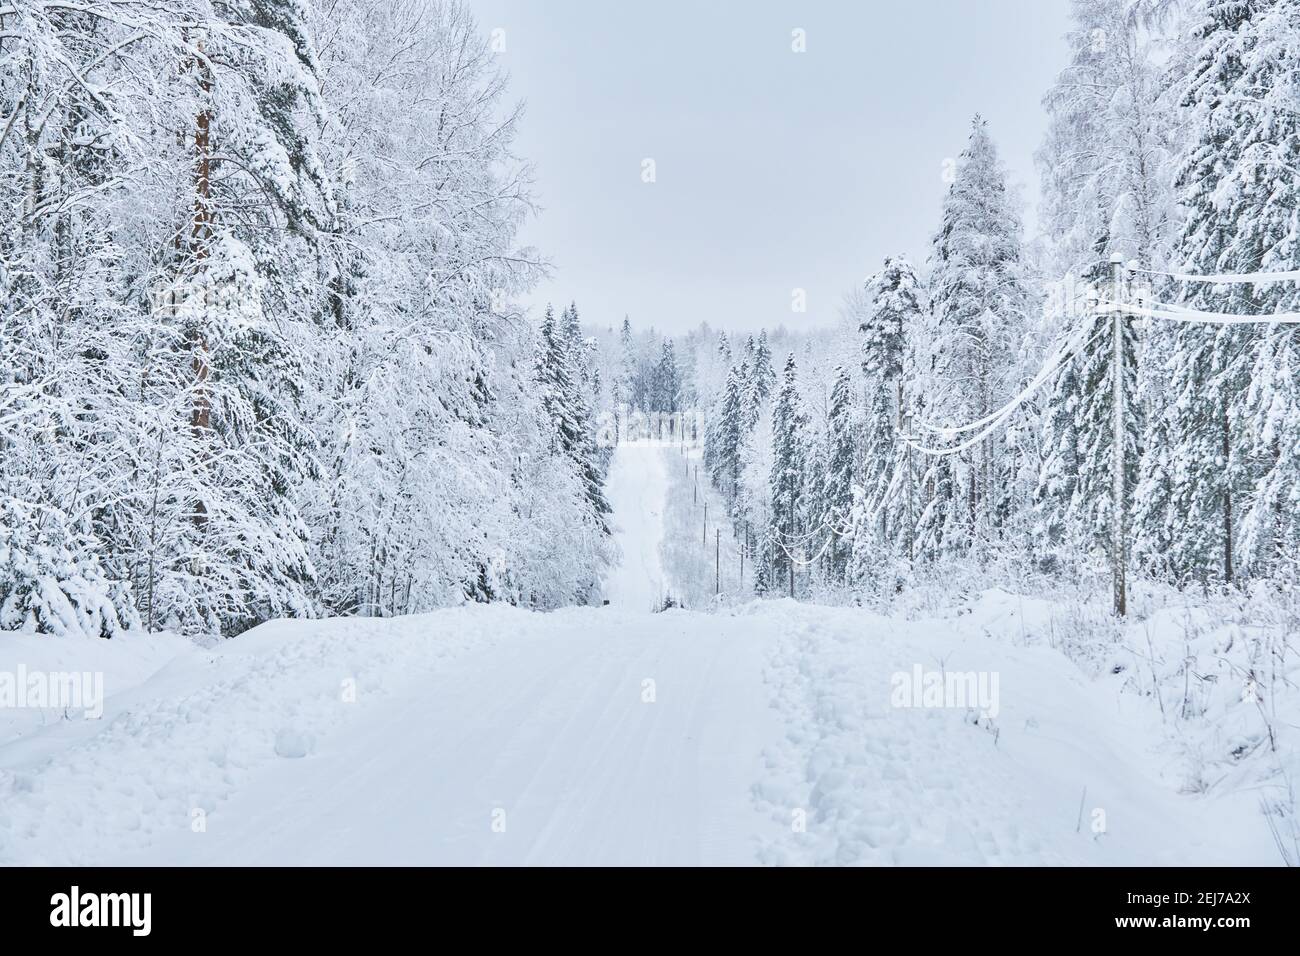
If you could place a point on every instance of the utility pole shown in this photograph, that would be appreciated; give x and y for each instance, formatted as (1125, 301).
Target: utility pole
(706, 524)
(911, 492)
(1119, 516)
(717, 561)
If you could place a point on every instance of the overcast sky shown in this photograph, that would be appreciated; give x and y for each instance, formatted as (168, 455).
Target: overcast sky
(774, 170)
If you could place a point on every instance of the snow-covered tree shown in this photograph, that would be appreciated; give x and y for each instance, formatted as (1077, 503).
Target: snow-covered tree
(762, 373)
(1073, 500)
(978, 302)
(726, 435)
(837, 490)
(260, 351)
(667, 383)
(786, 481)
(1106, 159)
(1221, 454)
(895, 312)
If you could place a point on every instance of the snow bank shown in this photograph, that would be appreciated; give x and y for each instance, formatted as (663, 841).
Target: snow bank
(1071, 770)
(184, 729)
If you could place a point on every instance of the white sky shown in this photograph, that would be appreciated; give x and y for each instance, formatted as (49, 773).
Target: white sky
(775, 170)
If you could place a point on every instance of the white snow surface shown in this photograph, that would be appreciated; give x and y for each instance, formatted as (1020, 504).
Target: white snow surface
(635, 489)
(492, 735)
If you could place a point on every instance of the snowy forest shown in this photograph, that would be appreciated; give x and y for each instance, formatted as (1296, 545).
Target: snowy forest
(959, 422)
(261, 355)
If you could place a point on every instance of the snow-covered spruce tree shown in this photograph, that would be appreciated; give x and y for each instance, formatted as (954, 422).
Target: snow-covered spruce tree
(558, 374)
(762, 373)
(51, 581)
(1270, 526)
(747, 354)
(786, 481)
(726, 434)
(724, 350)
(667, 383)
(582, 351)
(978, 306)
(581, 348)
(887, 509)
(1230, 463)
(837, 492)
(1073, 499)
(752, 507)
(713, 424)
(625, 388)
(813, 499)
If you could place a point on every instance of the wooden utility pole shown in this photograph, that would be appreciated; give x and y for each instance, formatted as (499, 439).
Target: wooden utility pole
(911, 493)
(1119, 510)
(1226, 450)
(717, 561)
(706, 525)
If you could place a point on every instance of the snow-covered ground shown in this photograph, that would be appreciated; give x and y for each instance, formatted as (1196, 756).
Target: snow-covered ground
(634, 488)
(765, 733)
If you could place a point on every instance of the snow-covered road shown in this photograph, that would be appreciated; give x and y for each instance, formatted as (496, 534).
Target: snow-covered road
(490, 735)
(635, 489)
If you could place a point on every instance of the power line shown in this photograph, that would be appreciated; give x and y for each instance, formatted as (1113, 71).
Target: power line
(989, 424)
(1225, 278)
(1178, 313)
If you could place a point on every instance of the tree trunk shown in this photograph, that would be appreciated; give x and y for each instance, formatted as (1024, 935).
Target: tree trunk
(201, 221)
(1227, 497)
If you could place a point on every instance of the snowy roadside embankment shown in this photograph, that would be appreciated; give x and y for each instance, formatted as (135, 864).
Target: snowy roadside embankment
(173, 744)
(703, 564)
(1065, 770)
